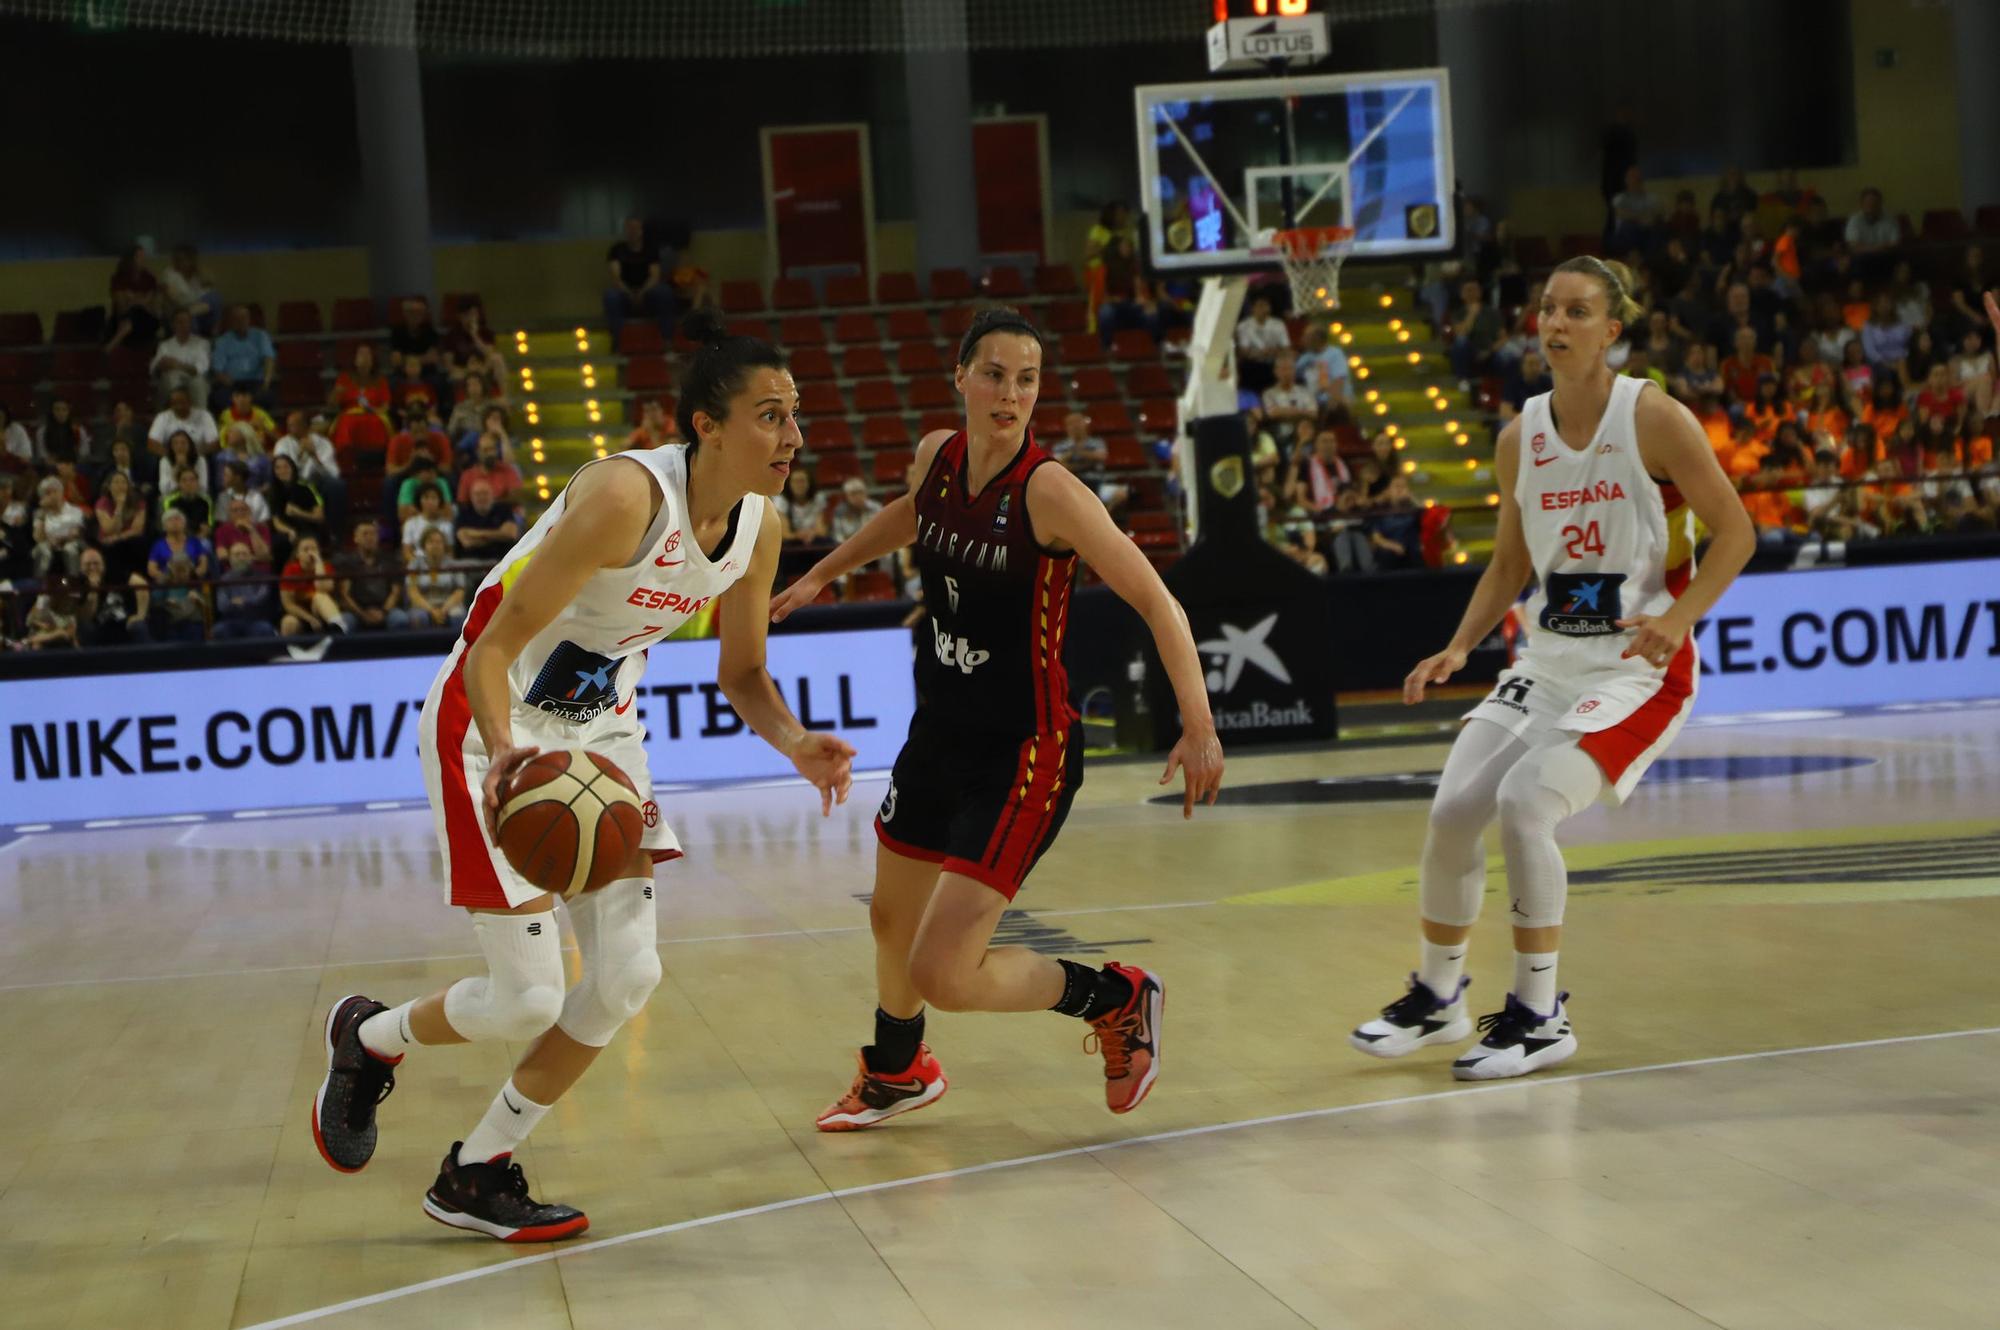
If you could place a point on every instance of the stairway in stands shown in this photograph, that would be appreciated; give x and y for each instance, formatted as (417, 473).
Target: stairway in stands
(872, 389)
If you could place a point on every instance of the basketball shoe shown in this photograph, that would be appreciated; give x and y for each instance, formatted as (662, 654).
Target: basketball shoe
(492, 1198)
(1413, 1021)
(876, 1097)
(1518, 1041)
(1129, 1039)
(343, 1113)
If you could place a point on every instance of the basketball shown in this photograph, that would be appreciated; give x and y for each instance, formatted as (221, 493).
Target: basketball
(570, 821)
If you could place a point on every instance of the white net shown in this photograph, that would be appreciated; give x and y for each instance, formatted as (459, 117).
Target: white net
(567, 29)
(1312, 257)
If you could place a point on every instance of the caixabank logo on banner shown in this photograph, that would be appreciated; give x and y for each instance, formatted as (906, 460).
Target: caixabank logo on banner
(1267, 669)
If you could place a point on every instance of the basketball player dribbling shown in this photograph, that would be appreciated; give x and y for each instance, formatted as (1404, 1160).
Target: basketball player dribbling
(551, 656)
(995, 751)
(1600, 480)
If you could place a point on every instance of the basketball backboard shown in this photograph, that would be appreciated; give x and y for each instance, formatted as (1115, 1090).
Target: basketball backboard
(1224, 162)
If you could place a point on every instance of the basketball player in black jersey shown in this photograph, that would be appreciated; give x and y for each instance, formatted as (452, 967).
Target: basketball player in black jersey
(995, 752)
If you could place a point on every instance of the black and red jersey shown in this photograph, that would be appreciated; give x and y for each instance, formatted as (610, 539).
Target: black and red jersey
(998, 601)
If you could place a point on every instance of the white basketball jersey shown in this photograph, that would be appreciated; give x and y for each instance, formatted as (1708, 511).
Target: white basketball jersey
(589, 658)
(1607, 540)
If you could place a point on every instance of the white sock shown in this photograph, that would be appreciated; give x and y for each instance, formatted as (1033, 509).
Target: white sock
(508, 1120)
(387, 1034)
(1535, 981)
(1441, 967)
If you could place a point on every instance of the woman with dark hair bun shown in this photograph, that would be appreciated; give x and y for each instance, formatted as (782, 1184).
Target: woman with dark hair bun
(551, 656)
(995, 751)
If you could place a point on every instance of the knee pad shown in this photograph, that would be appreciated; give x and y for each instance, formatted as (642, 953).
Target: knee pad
(617, 934)
(522, 992)
(1544, 788)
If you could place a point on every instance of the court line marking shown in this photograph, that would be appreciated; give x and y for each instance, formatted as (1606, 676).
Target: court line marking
(474, 955)
(894, 1184)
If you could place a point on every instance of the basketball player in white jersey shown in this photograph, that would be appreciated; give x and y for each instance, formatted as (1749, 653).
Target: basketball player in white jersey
(1600, 480)
(551, 656)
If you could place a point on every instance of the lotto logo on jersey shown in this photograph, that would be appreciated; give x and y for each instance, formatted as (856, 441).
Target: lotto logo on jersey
(652, 598)
(956, 651)
(1604, 491)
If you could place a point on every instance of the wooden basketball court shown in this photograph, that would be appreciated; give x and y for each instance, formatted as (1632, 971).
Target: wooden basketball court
(1784, 1112)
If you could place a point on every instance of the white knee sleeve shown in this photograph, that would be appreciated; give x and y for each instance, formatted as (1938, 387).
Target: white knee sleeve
(522, 992)
(1542, 789)
(617, 933)
(1453, 875)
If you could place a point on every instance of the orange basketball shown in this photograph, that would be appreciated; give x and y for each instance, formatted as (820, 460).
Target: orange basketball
(570, 821)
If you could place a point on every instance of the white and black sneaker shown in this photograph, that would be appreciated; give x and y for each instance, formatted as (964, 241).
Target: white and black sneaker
(1518, 1041)
(1415, 1020)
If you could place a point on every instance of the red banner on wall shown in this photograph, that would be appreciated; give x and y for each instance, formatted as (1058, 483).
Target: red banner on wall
(818, 198)
(1010, 166)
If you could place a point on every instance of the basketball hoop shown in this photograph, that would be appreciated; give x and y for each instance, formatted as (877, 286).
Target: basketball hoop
(1312, 256)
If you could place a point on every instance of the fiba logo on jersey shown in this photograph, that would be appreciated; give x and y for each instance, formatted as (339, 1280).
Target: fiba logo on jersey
(1539, 442)
(1000, 516)
(673, 543)
(649, 813)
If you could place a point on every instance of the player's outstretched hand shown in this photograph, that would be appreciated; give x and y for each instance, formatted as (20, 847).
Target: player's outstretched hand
(802, 592)
(828, 763)
(499, 770)
(1198, 757)
(1432, 669)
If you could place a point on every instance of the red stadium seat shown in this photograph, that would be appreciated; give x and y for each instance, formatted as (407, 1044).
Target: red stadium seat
(355, 314)
(919, 358)
(23, 328)
(1093, 385)
(908, 324)
(1055, 279)
(863, 362)
(1066, 316)
(1124, 453)
(19, 399)
(801, 330)
(79, 327)
(876, 396)
(298, 318)
(21, 367)
(933, 392)
(1945, 226)
(874, 585)
(1134, 344)
(885, 432)
(1005, 284)
(302, 356)
(639, 338)
(1577, 243)
(851, 328)
(793, 293)
(897, 288)
(954, 322)
(1153, 380)
(1048, 419)
(821, 399)
(811, 362)
(892, 466)
(1147, 520)
(951, 284)
(1081, 349)
(84, 364)
(648, 374)
(832, 434)
(1160, 416)
(740, 295)
(843, 291)
(757, 328)
(832, 469)
(1110, 418)
(932, 421)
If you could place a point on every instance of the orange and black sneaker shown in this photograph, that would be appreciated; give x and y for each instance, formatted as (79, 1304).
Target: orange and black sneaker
(1129, 1039)
(875, 1097)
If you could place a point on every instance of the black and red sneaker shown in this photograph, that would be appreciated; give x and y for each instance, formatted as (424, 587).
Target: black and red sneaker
(492, 1198)
(357, 1081)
